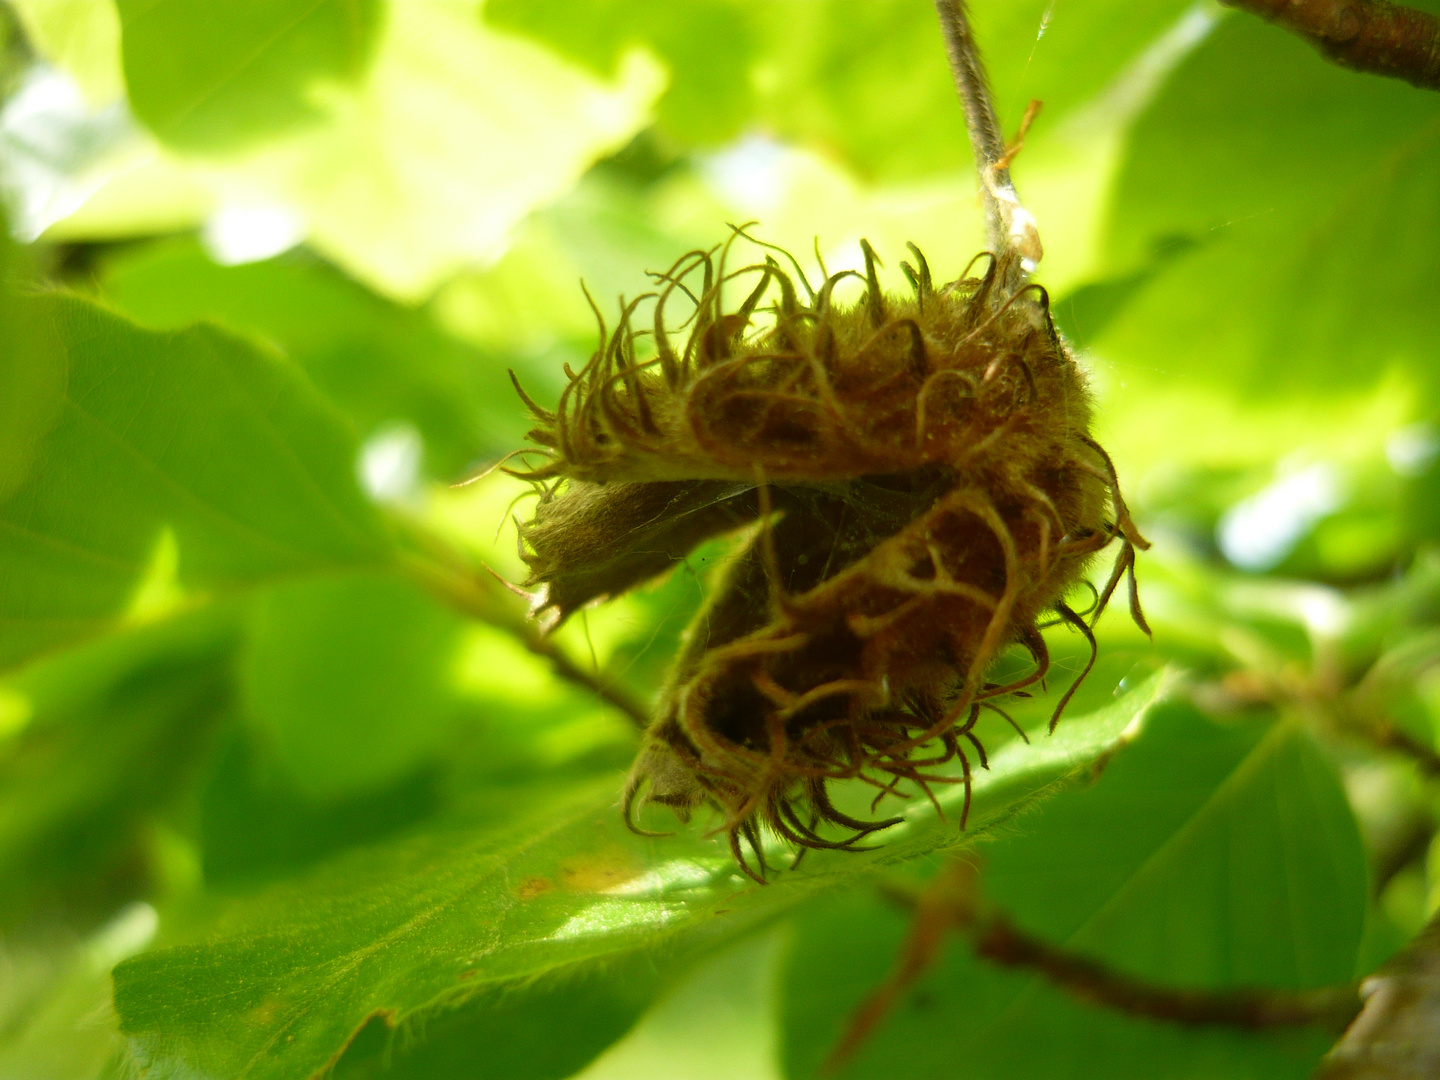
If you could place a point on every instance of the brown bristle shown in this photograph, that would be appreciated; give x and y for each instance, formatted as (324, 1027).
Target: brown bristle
(921, 487)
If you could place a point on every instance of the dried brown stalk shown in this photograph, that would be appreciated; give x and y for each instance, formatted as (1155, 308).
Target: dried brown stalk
(952, 904)
(1372, 36)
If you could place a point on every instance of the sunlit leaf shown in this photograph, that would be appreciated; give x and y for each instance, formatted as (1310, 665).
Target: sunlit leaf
(186, 462)
(58, 1023)
(386, 365)
(212, 78)
(708, 47)
(1311, 276)
(392, 931)
(82, 38)
(454, 135)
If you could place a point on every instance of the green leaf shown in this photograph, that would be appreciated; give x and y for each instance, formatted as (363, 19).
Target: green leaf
(454, 136)
(257, 824)
(178, 467)
(1250, 846)
(55, 1017)
(32, 378)
(350, 678)
(1310, 278)
(862, 78)
(865, 78)
(708, 46)
(1207, 855)
(384, 364)
(1317, 132)
(509, 1032)
(718, 1020)
(286, 980)
(1065, 55)
(214, 78)
(969, 1020)
(80, 783)
(82, 38)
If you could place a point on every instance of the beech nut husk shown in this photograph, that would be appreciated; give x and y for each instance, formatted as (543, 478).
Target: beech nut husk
(918, 489)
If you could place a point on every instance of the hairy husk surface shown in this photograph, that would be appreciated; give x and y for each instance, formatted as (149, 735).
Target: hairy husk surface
(918, 487)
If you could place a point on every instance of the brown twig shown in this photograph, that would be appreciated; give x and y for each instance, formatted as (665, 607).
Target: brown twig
(484, 601)
(1397, 1034)
(1401, 847)
(980, 121)
(1359, 710)
(1389, 737)
(595, 682)
(1373, 36)
(934, 918)
(1008, 224)
(952, 903)
(1001, 942)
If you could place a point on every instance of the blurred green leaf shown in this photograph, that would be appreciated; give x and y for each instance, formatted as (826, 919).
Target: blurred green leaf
(845, 76)
(32, 374)
(707, 45)
(257, 824)
(79, 785)
(1249, 844)
(214, 78)
(509, 1032)
(1206, 855)
(847, 83)
(82, 38)
(384, 364)
(718, 1020)
(1064, 55)
(396, 930)
(351, 679)
(1254, 101)
(59, 1025)
(456, 133)
(1421, 503)
(968, 1020)
(1312, 277)
(179, 466)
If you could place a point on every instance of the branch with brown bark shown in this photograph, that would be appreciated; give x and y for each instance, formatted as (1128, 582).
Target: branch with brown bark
(1397, 1034)
(1000, 941)
(1373, 36)
(952, 904)
(454, 580)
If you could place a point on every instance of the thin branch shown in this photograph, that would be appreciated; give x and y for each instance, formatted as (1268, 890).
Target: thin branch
(1366, 35)
(1008, 225)
(936, 914)
(1359, 711)
(458, 586)
(597, 683)
(1401, 848)
(999, 941)
(1387, 736)
(951, 902)
(973, 86)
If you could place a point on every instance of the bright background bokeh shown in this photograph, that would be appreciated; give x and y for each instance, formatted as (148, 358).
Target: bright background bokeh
(259, 701)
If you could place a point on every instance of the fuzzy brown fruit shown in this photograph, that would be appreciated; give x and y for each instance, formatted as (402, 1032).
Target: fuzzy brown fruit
(921, 488)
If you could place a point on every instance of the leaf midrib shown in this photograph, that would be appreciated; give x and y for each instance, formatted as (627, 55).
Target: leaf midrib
(1194, 821)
